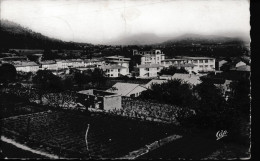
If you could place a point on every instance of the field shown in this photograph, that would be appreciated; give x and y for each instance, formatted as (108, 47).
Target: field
(63, 134)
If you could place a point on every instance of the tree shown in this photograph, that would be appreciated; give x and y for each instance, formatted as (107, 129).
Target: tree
(174, 92)
(212, 110)
(7, 73)
(171, 71)
(47, 81)
(239, 97)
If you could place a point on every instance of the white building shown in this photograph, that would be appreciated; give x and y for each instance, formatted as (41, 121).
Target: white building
(25, 66)
(241, 63)
(70, 63)
(148, 70)
(48, 65)
(200, 64)
(97, 62)
(119, 60)
(127, 89)
(114, 70)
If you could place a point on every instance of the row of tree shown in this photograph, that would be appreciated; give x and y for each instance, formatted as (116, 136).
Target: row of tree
(212, 108)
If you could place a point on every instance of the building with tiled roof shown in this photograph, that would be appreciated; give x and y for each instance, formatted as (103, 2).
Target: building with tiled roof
(114, 70)
(148, 70)
(127, 89)
(26, 66)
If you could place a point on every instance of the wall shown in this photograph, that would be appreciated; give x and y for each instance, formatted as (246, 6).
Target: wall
(112, 102)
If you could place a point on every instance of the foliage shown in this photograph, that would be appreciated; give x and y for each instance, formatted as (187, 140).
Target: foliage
(172, 70)
(239, 97)
(96, 78)
(7, 73)
(47, 81)
(173, 92)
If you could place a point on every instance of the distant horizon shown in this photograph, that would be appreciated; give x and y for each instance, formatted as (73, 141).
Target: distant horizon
(104, 22)
(163, 39)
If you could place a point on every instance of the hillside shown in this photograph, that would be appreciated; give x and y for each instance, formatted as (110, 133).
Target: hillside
(189, 39)
(16, 36)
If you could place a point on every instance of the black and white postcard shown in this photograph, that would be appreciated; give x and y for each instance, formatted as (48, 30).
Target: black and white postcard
(125, 79)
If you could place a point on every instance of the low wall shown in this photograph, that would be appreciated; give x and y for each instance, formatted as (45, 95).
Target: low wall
(150, 147)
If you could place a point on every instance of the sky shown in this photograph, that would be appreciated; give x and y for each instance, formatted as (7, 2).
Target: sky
(102, 21)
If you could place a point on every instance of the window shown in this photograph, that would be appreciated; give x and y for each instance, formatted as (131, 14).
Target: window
(206, 61)
(201, 66)
(146, 69)
(195, 61)
(151, 58)
(111, 75)
(111, 70)
(206, 66)
(201, 61)
(211, 66)
(157, 58)
(158, 68)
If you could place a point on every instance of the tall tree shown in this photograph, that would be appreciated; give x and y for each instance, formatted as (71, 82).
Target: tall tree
(7, 73)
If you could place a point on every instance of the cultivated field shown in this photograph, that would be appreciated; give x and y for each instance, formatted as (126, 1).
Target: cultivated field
(63, 134)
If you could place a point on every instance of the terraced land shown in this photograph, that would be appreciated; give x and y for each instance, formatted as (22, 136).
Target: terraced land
(63, 133)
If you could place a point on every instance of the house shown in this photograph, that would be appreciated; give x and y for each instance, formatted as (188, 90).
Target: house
(154, 81)
(69, 63)
(97, 61)
(101, 100)
(200, 64)
(119, 60)
(147, 70)
(114, 70)
(49, 65)
(127, 89)
(26, 66)
(241, 72)
(221, 63)
(240, 63)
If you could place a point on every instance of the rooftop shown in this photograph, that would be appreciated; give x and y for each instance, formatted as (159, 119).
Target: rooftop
(244, 68)
(155, 81)
(123, 88)
(189, 57)
(149, 66)
(48, 62)
(112, 67)
(96, 92)
(24, 63)
(117, 57)
(184, 65)
(189, 78)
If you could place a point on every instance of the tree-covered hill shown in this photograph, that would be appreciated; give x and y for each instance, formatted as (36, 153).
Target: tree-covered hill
(14, 35)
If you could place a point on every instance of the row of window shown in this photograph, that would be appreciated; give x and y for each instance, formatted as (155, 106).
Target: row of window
(206, 66)
(201, 61)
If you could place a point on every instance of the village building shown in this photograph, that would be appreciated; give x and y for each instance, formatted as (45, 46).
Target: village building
(147, 70)
(114, 70)
(97, 61)
(48, 65)
(127, 89)
(195, 64)
(119, 60)
(25, 66)
(100, 100)
(150, 57)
